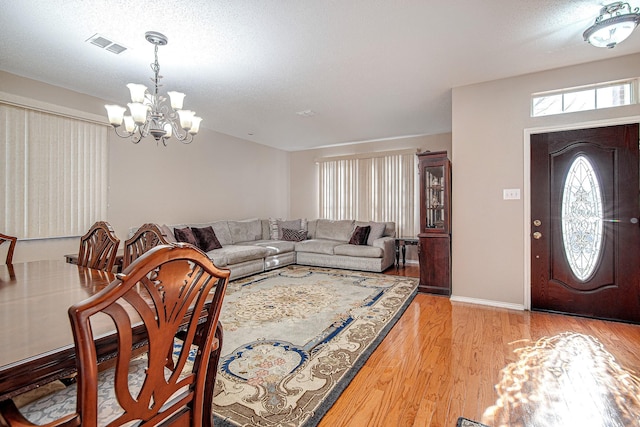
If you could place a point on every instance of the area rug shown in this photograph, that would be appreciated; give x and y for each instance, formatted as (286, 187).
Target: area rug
(464, 422)
(295, 337)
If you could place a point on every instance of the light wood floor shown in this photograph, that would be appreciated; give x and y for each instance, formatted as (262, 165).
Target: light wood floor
(442, 360)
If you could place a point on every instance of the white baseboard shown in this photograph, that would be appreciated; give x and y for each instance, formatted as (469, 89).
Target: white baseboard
(491, 303)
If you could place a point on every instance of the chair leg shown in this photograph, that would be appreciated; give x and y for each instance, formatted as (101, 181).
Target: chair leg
(212, 371)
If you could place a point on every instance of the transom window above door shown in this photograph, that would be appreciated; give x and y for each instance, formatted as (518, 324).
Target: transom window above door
(584, 98)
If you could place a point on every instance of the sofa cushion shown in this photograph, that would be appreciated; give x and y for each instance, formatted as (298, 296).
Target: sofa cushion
(277, 225)
(311, 228)
(235, 254)
(168, 233)
(275, 247)
(217, 257)
(206, 238)
(318, 246)
(390, 229)
(294, 235)
(222, 232)
(377, 230)
(334, 230)
(362, 251)
(245, 231)
(185, 235)
(360, 235)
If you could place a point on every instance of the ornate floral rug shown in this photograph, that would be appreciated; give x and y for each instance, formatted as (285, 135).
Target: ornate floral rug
(296, 336)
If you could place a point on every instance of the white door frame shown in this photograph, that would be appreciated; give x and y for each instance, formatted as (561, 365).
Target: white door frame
(527, 184)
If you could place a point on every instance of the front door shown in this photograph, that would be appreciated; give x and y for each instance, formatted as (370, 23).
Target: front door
(585, 235)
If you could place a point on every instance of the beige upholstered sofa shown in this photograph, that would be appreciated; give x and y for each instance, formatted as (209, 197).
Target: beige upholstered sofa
(255, 245)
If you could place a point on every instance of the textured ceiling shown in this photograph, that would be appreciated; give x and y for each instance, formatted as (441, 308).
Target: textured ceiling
(369, 69)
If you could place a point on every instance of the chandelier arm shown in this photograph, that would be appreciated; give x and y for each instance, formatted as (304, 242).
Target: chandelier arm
(178, 132)
(126, 134)
(135, 136)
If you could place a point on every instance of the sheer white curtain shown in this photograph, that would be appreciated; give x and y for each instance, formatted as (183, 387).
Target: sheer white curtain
(54, 180)
(370, 188)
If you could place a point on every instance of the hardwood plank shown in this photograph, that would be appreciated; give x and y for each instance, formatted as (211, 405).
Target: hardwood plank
(443, 359)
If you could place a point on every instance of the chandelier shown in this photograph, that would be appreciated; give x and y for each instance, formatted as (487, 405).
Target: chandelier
(613, 25)
(150, 113)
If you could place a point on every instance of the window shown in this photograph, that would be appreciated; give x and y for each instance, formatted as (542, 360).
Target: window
(376, 187)
(594, 97)
(582, 218)
(54, 176)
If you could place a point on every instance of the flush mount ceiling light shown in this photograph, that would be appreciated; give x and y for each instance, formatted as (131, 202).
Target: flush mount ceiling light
(150, 114)
(613, 25)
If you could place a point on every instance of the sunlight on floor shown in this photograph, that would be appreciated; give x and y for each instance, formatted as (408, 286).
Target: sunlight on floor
(568, 379)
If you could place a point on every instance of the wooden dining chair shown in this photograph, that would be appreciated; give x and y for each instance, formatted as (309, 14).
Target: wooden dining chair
(98, 247)
(170, 288)
(12, 245)
(146, 237)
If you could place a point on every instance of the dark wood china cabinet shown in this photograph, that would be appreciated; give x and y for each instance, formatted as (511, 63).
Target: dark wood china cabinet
(434, 247)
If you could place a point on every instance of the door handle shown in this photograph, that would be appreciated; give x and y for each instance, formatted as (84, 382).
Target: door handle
(537, 235)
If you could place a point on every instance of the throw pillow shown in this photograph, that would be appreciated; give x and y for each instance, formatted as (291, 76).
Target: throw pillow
(277, 225)
(185, 235)
(360, 235)
(206, 238)
(294, 235)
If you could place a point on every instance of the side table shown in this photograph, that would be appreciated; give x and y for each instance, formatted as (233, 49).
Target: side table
(402, 242)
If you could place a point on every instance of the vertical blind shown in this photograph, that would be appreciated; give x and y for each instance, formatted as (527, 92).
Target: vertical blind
(375, 188)
(54, 180)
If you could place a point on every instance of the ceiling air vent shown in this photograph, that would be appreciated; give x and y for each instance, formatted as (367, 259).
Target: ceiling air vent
(106, 44)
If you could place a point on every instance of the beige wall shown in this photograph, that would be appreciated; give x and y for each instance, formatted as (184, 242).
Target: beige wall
(304, 175)
(488, 128)
(219, 176)
(215, 177)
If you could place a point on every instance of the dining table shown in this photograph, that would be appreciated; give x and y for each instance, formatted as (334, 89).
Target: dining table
(36, 341)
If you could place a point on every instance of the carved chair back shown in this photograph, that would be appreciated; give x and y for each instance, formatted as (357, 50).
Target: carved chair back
(171, 290)
(146, 237)
(98, 247)
(12, 245)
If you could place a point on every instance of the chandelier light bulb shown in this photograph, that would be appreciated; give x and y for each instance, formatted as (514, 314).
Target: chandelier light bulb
(138, 112)
(137, 92)
(129, 124)
(177, 99)
(186, 117)
(168, 129)
(115, 113)
(195, 125)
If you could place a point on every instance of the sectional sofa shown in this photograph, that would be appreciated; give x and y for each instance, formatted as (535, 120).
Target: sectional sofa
(255, 245)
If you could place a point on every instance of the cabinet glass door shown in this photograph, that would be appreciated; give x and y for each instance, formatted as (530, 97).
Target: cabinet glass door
(434, 197)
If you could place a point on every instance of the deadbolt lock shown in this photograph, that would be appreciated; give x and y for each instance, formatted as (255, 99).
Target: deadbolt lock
(537, 223)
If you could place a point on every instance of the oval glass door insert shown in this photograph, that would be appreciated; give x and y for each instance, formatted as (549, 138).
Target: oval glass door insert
(582, 218)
